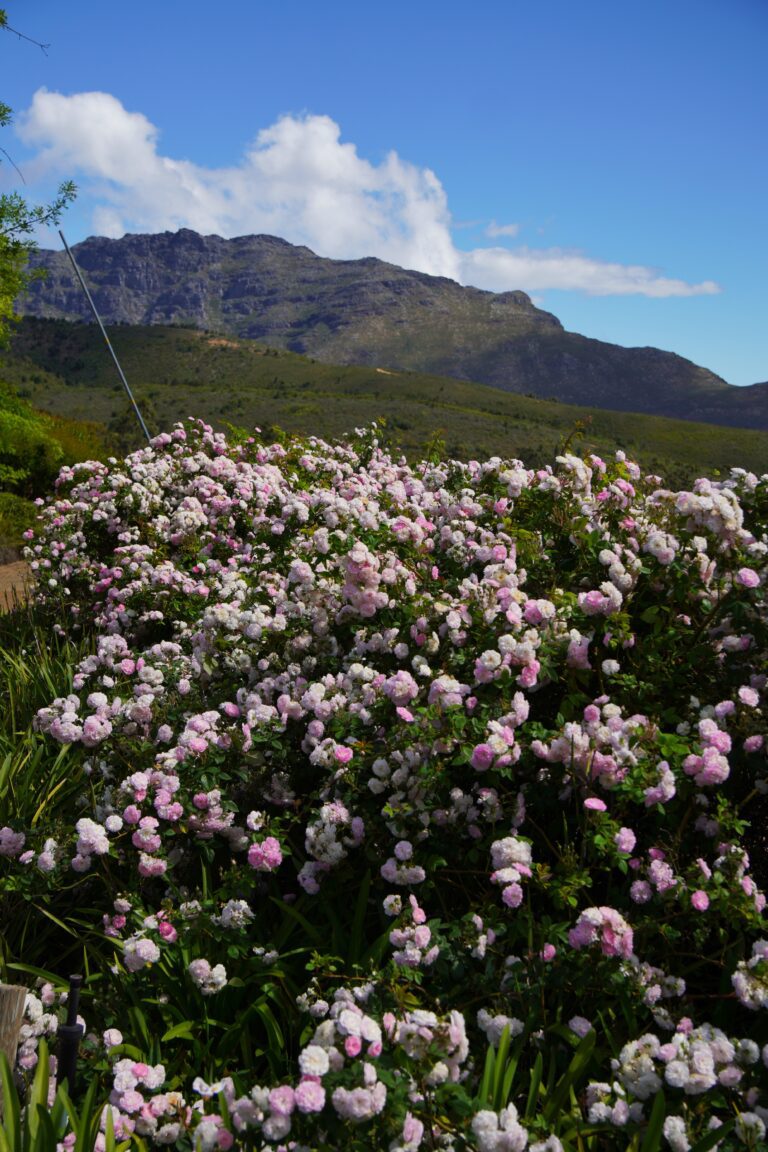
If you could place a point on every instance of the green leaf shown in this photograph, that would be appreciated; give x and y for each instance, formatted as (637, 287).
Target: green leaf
(484, 1095)
(38, 1096)
(714, 1137)
(500, 1068)
(533, 1091)
(127, 1050)
(47, 1139)
(89, 1120)
(59, 923)
(59, 1115)
(40, 973)
(5, 772)
(509, 1078)
(139, 1021)
(183, 1031)
(273, 1030)
(652, 1139)
(109, 1132)
(577, 1066)
(11, 1109)
(69, 1108)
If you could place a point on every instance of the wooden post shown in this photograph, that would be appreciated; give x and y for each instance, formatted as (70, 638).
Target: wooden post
(12, 999)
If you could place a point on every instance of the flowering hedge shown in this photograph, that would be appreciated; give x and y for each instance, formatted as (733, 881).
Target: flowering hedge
(415, 801)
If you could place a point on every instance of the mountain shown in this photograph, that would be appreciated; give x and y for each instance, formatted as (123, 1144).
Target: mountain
(368, 312)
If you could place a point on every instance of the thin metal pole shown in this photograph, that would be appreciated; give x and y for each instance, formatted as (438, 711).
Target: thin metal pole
(84, 286)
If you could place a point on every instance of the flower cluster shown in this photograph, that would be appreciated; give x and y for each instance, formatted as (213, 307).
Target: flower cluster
(603, 926)
(484, 737)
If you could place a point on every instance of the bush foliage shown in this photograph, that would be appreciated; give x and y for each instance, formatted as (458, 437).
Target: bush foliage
(33, 446)
(394, 807)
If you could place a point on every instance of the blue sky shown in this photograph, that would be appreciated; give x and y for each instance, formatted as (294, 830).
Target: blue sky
(609, 158)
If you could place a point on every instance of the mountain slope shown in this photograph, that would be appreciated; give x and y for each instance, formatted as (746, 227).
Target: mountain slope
(372, 313)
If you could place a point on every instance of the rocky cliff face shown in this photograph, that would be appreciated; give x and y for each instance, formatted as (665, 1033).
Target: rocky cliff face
(259, 287)
(370, 312)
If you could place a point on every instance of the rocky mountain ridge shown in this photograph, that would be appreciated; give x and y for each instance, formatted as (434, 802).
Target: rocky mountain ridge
(372, 313)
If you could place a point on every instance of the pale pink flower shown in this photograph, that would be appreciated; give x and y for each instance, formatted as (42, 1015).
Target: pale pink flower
(265, 856)
(605, 926)
(482, 757)
(580, 1025)
(282, 1100)
(11, 843)
(309, 1096)
(625, 840)
(747, 577)
(512, 895)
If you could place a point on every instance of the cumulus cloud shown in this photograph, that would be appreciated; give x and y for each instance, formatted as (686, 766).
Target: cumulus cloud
(297, 180)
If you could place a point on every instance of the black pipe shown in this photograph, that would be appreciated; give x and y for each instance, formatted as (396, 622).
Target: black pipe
(70, 1035)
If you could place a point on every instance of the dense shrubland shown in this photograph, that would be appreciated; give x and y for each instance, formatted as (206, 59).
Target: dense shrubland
(395, 807)
(176, 372)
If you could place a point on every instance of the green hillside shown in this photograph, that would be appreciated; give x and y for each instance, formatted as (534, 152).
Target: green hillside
(179, 372)
(33, 446)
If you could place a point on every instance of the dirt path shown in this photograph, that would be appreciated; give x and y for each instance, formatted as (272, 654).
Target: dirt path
(13, 579)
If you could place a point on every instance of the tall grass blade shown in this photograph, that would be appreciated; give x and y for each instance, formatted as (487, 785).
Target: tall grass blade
(652, 1139)
(577, 1066)
(38, 1096)
(10, 1102)
(484, 1095)
(533, 1091)
(499, 1070)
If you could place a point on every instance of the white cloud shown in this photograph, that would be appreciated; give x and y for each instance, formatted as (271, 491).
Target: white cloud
(297, 180)
(537, 269)
(493, 230)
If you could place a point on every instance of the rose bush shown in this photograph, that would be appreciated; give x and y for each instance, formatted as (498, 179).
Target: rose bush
(419, 807)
